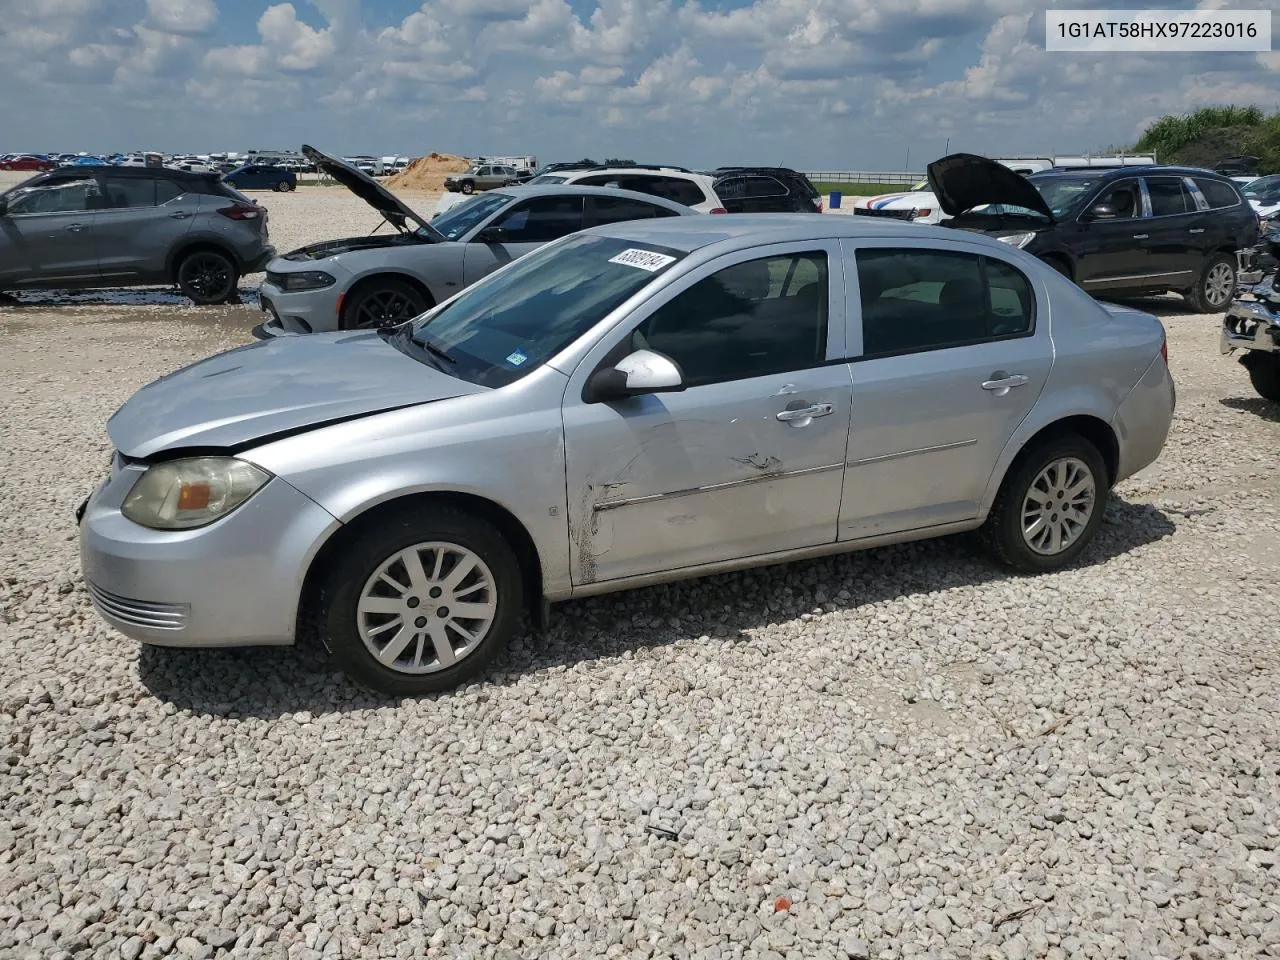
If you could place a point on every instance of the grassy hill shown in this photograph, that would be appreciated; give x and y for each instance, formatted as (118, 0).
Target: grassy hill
(1209, 135)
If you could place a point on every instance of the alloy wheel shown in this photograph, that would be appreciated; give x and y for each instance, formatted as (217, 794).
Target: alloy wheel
(427, 607)
(1058, 506)
(385, 308)
(206, 274)
(1219, 284)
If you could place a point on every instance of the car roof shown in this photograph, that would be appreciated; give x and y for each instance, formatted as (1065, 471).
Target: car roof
(582, 190)
(127, 172)
(1146, 170)
(766, 228)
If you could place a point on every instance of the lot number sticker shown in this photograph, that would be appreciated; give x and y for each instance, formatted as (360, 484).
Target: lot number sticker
(642, 259)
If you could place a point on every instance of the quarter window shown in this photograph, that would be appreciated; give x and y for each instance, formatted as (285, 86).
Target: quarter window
(1217, 193)
(916, 300)
(1169, 196)
(753, 319)
(542, 220)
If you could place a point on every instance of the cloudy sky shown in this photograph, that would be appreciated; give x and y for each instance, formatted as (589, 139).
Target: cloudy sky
(817, 84)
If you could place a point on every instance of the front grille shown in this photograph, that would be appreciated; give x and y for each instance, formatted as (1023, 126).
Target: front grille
(140, 613)
(894, 214)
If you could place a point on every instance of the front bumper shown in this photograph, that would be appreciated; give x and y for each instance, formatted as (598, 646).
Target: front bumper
(1250, 325)
(235, 582)
(298, 312)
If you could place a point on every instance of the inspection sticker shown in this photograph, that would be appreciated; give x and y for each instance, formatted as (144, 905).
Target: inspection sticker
(517, 358)
(643, 259)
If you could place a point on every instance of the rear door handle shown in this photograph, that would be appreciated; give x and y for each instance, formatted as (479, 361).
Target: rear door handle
(1196, 230)
(1139, 236)
(180, 215)
(805, 413)
(1001, 382)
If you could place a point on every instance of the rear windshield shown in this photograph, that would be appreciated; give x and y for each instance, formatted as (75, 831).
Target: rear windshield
(549, 178)
(511, 323)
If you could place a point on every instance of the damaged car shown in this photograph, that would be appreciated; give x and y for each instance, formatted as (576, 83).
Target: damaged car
(645, 401)
(386, 279)
(1127, 232)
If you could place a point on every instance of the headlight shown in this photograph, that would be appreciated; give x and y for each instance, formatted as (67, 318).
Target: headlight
(306, 280)
(1017, 239)
(182, 494)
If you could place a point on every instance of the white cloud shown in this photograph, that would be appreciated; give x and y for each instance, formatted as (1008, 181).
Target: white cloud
(182, 16)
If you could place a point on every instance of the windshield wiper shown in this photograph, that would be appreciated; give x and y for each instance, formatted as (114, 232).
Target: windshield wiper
(432, 349)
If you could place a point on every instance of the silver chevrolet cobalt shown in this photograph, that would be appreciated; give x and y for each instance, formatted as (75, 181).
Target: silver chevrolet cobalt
(639, 402)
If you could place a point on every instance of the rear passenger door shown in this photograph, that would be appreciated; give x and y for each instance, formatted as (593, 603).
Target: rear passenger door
(1173, 256)
(949, 358)
(135, 234)
(516, 230)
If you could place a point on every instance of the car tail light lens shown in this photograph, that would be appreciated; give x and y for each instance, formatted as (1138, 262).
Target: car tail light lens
(1164, 343)
(719, 210)
(241, 211)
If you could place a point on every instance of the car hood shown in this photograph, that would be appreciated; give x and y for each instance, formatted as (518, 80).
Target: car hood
(331, 248)
(963, 181)
(275, 387)
(366, 188)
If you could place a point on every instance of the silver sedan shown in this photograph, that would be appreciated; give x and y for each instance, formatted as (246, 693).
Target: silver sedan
(636, 403)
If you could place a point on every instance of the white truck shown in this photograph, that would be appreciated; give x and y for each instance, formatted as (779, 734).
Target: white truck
(920, 205)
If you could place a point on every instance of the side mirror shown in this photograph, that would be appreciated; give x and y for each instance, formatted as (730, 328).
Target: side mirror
(1102, 211)
(638, 373)
(491, 235)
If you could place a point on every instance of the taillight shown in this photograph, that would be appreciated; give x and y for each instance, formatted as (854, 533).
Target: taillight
(241, 211)
(718, 210)
(818, 204)
(1164, 348)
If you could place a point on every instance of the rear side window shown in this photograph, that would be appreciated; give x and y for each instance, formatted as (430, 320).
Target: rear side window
(1169, 196)
(916, 300)
(601, 210)
(750, 188)
(167, 190)
(669, 188)
(1217, 193)
(129, 192)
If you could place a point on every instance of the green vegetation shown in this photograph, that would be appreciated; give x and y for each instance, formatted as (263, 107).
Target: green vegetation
(861, 189)
(1211, 134)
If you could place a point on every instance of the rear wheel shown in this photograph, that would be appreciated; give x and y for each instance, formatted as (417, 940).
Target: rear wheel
(284, 186)
(383, 302)
(1264, 372)
(1049, 507)
(422, 602)
(1213, 290)
(208, 276)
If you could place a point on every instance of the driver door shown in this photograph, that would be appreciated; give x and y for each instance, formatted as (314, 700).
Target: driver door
(47, 234)
(523, 227)
(748, 459)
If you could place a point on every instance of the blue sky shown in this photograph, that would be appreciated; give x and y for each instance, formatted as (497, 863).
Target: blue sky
(817, 84)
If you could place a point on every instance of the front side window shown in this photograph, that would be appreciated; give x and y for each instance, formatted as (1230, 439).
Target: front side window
(752, 319)
(59, 196)
(915, 300)
(1124, 198)
(512, 322)
(541, 220)
(1169, 196)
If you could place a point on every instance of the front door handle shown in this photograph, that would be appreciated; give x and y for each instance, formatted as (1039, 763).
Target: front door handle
(1140, 236)
(75, 227)
(1196, 230)
(801, 416)
(180, 215)
(1001, 382)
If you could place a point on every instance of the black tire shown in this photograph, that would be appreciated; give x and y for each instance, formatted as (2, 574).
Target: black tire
(1209, 295)
(207, 277)
(383, 302)
(1264, 373)
(283, 186)
(377, 545)
(468, 187)
(1002, 534)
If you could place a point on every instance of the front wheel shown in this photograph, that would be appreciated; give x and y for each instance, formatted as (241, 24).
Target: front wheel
(422, 602)
(284, 186)
(1049, 507)
(208, 277)
(468, 187)
(385, 302)
(1264, 373)
(1217, 282)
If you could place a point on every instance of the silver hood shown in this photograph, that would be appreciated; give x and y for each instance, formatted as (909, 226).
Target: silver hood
(274, 387)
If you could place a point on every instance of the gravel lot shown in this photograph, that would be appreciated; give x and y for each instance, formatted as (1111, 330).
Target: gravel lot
(924, 756)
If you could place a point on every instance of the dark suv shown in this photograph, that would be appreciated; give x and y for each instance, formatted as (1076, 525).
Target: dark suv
(765, 190)
(1125, 231)
(81, 227)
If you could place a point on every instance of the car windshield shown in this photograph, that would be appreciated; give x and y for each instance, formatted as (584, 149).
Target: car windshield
(465, 216)
(471, 170)
(513, 322)
(1063, 195)
(1265, 186)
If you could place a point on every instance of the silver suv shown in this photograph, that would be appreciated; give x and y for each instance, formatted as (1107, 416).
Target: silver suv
(80, 227)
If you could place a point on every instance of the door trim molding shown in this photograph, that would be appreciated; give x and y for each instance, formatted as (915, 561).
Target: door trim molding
(1138, 276)
(911, 453)
(725, 485)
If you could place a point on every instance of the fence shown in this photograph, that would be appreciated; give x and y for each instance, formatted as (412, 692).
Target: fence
(854, 176)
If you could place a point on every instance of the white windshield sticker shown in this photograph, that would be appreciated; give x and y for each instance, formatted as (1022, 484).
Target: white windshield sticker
(643, 259)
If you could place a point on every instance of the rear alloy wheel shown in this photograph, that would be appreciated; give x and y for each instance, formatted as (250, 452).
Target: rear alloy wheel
(422, 602)
(207, 277)
(1212, 292)
(1049, 507)
(468, 186)
(283, 186)
(382, 303)
(1264, 372)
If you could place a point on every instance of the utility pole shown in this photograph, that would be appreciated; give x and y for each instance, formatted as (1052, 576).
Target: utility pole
(906, 165)
(947, 152)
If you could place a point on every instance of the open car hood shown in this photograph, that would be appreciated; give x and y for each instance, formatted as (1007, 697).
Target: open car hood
(963, 181)
(369, 190)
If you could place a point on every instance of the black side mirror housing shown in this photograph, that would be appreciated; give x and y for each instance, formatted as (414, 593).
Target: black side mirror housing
(491, 235)
(1102, 211)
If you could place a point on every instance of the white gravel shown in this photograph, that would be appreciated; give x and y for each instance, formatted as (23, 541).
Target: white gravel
(924, 756)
